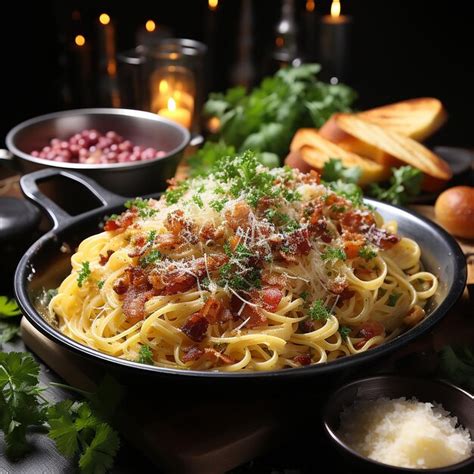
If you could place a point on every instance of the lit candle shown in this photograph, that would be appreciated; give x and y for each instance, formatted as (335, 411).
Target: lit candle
(334, 43)
(175, 113)
(81, 79)
(310, 34)
(107, 61)
(151, 33)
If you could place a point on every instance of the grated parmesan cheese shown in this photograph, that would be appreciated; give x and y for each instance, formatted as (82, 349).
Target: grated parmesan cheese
(405, 433)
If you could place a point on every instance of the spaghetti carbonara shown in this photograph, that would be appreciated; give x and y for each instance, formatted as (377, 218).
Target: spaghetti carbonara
(246, 269)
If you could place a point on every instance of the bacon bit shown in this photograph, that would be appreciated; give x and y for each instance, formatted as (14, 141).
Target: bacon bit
(195, 327)
(362, 272)
(381, 238)
(274, 279)
(357, 221)
(317, 213)
(346, 294)
(256, 317)
(313, 177)
(302, 359)
(318, 228)
(103, 259)
(352, 244)
(192, 353)
(414, 316)
(337, 286)
(172, 182)
(370, 329)
(239, 216)
(122, 222)
(287, 257)
(166, 241)
(326, 238)
(234, 242)
(176, 282)
(298, 242)
(134, 304)
(175, 221)
(307, 326)
(216, 355)
(211, 310)
(271, 297)
(120, 286)
(265, 203)
(209, 232)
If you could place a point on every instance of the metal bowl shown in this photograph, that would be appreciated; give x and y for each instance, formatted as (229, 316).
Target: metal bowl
(129, 179)
(453, 399)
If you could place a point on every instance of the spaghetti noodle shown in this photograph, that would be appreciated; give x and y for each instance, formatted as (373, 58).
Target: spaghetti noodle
(247, 269)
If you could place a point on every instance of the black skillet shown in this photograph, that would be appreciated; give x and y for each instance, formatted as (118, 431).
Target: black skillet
(45, 265)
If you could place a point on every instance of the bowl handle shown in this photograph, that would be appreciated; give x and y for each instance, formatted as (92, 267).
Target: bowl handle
(58, 216)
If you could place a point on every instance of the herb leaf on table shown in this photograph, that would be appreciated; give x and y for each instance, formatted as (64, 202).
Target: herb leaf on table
(457, 365)
(9, 323)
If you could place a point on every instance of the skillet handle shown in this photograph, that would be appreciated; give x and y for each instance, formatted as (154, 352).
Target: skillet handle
(58, 216)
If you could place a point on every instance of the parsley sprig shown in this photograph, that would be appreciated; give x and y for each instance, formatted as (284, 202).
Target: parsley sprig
(145, 355)
(142, 206)
(318, 311)
(83, 274)
(79, 428)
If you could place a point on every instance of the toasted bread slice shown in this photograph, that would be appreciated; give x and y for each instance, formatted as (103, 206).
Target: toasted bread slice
(415, 118)
(396, 145)
(316, 151)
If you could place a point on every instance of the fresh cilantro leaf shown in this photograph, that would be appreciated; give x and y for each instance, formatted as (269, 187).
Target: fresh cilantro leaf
(333, 253)
(145, 355)
(405, 183)
(456, 363)
(151, 257)
(367, 253)
(393, 298)
(348, 190)
(344, 331)
(334, 170)
(83, 274)
(99, 456)
(318, 311)
(77, 432)
(266, 118)
(8, 307)
(8, 331)
(20, 407)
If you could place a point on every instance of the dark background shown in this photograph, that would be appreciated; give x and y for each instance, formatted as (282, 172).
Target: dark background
(398, 50)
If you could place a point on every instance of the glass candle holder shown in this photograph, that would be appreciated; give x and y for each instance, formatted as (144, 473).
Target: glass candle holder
(175, 73)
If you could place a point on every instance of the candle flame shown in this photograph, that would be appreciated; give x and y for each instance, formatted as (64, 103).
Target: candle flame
(213, 4)
(163, 87)
(104, 18)
(171, 104)
(335, 8)
(80, 40)
(150, 26)
(310, 6)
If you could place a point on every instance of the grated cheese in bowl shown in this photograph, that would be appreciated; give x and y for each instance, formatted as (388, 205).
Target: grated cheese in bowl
(405, 433)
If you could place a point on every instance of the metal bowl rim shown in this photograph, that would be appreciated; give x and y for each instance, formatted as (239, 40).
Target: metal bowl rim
(134, 114)
(454, 291)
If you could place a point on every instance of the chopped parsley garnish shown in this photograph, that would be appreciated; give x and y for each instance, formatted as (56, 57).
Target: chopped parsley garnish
(292, 226)
(151, 257)
(304, 295)
(151, 236)
(344, 331)
(238, 273)
(143, 207)
(283, 220)
(197, 200)
(318, 311)
(367, 253)
(348, 190)
(334, 170)
(173, 195)
(145, 355)
(333, 253)
(218, 204)
(393, 298)
(100, 284)
(84, 274)
(112, 217)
